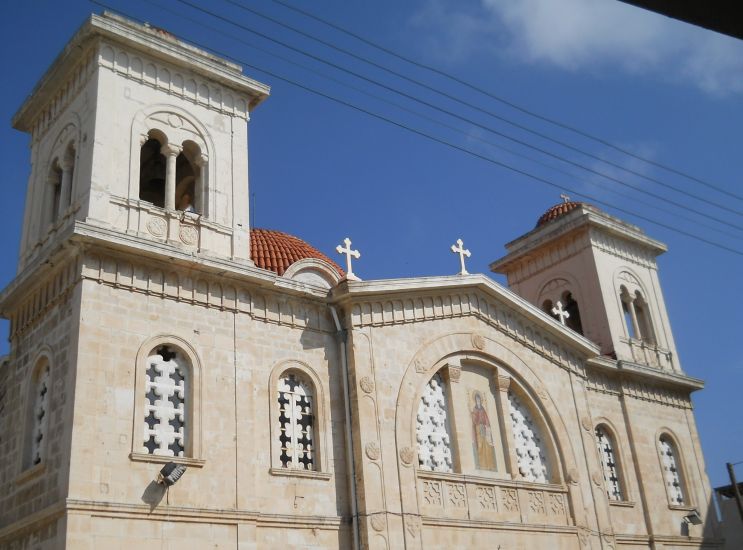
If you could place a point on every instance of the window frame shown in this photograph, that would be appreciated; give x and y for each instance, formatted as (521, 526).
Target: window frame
(321, 428)
(193, 450)
(689, 502)
(617, 449)
(43, 359)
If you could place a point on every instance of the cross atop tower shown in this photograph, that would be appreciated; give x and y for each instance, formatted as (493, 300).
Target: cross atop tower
(349, 253)
(565, 197)
(459, 249)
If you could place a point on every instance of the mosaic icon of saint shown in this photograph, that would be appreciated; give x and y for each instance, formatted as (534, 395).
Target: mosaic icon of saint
(482, 435)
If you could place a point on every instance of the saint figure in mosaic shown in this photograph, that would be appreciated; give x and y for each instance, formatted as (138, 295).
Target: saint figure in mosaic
(482, 434)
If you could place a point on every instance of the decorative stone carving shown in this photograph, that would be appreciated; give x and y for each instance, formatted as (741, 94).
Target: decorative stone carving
(419, 366)
(372, 450)
(573, 476)
(188, 234)
(367, 384)
(454, 372)
(486, 498)
(478, 341)
(556, 504)
(156, 226)
(532, 459)
(432, 430)
(585, 421)
(407, 455)
(378, 522)
(432, 493)
(536, 502)
(597, 478)
(510, 499)
(166, 404)
(456, 495)
(413, 525)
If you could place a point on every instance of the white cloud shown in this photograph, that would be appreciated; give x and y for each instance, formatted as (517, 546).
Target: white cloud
(588, 34)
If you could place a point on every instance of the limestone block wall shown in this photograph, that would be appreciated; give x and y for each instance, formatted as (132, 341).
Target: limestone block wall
(43, 331)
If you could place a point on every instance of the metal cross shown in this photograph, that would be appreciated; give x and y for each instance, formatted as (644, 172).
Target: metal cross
(564, 197)
(459, 249)
(349, 254)
(560, 313)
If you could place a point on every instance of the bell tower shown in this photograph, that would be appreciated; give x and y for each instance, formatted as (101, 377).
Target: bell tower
(140, 139)
(597, 275)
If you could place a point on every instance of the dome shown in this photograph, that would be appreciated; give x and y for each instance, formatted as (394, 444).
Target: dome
(557, 211)
(276, 251)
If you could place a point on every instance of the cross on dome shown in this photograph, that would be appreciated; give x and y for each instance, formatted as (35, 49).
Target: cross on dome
(559, 312)
(349, 254)
(458, 248)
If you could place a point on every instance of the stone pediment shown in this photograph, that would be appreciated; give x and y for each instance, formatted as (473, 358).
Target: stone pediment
(400, 301)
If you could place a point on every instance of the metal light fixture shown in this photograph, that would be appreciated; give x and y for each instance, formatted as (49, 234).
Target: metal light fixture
(693, 517)
(170, 473)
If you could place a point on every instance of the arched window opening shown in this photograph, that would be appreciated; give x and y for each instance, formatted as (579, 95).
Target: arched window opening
(152, 166)
(432, 430)
(68, 174)
(187, 173)
(629, 313)
(609, 465)
(671, 471)
(529, 445)
(296, 422)
(39, 414)
(643, 319)
(166, 419)
(55, 182)
(571, 307)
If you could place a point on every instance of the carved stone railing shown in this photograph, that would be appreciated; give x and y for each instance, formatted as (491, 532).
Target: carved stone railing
(649, 354)
(481, 498)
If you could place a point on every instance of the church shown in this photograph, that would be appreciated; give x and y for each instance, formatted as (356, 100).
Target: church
(178, 379)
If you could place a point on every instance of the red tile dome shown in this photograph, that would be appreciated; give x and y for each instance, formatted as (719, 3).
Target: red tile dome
(558, 210)
(276, 251)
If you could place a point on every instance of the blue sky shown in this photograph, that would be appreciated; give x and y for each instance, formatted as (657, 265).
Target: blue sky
(653, 86)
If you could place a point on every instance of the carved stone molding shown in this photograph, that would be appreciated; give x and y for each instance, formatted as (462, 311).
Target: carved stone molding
(407, 456)
(378, 522)
(454, 372)
(573, 476)
(478, 341)
(188, 234)
(412, 525)
(585, 421)
(419, 366)
(597, 478)
(366, 384)
(156, 226)
(372, 450)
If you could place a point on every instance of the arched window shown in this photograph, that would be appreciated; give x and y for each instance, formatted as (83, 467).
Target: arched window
(38, 422)
(636, 316)
(296, 422)
(571, 307)
(672, 474)
(55, 191)
(187, 172)
(529, 446)
(643, 318)
(432, 428)
(166, 415)
(609, 464)
(152, 165)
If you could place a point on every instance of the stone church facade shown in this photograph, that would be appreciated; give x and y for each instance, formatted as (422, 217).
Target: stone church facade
(150, 324)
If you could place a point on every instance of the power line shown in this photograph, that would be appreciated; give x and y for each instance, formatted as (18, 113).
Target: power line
(504, 101)
(464, 119)
(436, 121)
(480, 109)
(455, 146)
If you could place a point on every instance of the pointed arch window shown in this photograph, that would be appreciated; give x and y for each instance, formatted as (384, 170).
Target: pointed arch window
(672, 475)
(609, 464)
(166, 418)
(296, 421)
(529, 446)
(39, 400)
(432, 428)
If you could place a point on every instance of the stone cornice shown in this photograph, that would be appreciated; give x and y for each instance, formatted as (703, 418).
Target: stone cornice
(399, 301)
(154, 42)
(622, 234)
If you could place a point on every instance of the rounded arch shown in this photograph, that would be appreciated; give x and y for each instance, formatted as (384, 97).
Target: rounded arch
(666, 434)
(618, 449)
(194, 441)
(468, 346)
(33, 448)
(178, 126)
(320, 406)
(313, 271)
(556, 283)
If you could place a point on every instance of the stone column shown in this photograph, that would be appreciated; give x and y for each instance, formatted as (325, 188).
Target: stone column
(502, 383)
(65, 189)
(171, 152)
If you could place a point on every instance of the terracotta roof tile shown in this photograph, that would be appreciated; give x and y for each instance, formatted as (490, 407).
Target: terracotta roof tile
(276, 251)
(557, 211)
